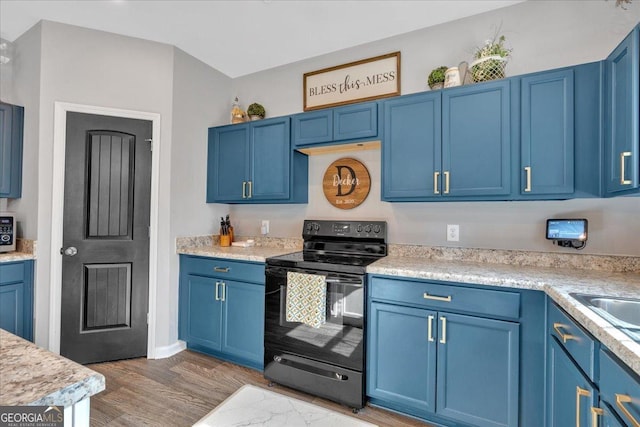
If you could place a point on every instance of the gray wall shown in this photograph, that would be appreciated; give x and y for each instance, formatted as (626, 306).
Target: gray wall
(543, 35)
(25, 91)
(77, 65)
(200, 96)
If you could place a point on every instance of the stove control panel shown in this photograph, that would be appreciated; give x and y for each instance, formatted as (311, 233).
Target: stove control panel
(354, 229)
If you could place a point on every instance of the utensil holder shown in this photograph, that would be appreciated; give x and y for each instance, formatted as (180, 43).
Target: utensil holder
(225, 240)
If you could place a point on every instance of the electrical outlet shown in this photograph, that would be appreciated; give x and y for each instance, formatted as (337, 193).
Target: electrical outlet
(453, 233)
(264, 226)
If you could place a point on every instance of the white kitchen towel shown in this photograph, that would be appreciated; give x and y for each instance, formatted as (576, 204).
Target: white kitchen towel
(306, 299)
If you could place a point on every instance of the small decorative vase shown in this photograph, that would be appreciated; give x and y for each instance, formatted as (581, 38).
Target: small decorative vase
(436, 86)
(255, 117)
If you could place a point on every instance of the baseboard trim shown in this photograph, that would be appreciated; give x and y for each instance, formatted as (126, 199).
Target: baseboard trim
(169, 350)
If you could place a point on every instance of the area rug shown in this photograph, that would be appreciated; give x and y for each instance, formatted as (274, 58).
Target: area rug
(254, 406)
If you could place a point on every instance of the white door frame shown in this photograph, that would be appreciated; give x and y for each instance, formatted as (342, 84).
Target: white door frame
(57, 214)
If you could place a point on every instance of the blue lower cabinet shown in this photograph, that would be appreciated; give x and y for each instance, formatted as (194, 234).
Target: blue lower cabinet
(570, 395)
(221, 308)
(447, 368)
(204, 312)
(16, 298)
(401, 363)
(243, 319)
(478, 370)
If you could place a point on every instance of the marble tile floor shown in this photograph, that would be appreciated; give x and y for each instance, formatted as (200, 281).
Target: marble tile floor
(252, 406)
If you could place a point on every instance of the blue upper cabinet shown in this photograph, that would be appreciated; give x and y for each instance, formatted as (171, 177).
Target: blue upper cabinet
(621, 153)
(547, 134)
(452, 144)
(11, 129)
(254, 163)
(315, 127)
(228, 163)
(355, 122)
(476, 143)
(411, 147)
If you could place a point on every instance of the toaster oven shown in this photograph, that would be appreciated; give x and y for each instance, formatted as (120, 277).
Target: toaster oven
(7, 232)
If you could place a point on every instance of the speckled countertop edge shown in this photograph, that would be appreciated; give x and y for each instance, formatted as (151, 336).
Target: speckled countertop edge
(34, 376)
(557, 283)
(25, 250)
(252, 253)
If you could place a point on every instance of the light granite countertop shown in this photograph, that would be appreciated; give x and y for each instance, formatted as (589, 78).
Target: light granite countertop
(34, 376)
(252, 253)
(16, 256)
(558, 283)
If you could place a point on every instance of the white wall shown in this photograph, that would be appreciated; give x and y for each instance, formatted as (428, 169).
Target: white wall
(200, 99)
(543, 35)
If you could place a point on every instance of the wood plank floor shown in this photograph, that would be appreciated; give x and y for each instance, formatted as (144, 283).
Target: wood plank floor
(180, 390)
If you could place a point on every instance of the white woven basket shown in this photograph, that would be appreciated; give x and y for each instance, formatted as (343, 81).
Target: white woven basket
(488, 68)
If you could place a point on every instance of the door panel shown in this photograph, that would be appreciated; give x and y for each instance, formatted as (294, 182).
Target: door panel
(11, 306)
(270, 160)
(412, 147)
(204, 299)
(402, 358)
(228, 163)
(106, 219)
(243, 333)
(564, 403)
(476, 145)
(478, 370)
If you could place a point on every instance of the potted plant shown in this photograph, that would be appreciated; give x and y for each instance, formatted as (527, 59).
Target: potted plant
(436, 78)
(256, 111)
(490, 60)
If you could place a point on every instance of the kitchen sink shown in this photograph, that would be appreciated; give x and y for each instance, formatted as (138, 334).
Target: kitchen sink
(623, 313)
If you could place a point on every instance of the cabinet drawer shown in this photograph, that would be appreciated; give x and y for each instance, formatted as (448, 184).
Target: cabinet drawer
(450, 297)
(223, 268)
(577, 341)
(618, 386)
(11, 272)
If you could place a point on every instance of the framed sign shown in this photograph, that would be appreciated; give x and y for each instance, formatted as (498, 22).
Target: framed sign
(346, 183)
(358, 81)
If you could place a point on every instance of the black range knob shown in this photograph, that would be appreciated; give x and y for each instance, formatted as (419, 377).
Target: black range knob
(376, 228)
(316, 226)
(367, 229)
(359, 228)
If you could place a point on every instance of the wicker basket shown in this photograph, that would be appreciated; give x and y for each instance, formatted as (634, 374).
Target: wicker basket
(488, 68)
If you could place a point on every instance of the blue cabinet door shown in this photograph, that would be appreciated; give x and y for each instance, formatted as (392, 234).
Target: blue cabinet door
(478, 370)
(228, 163)
(569, 394)
(315, 127)
(203, 316)
(547, 128)
(243, 319)
(621, 153)
(11, 308)
(411, 147)
(476, 143)
(16, 298)
(270, 159)
(401, 364)
(11, 128)
(355, 121)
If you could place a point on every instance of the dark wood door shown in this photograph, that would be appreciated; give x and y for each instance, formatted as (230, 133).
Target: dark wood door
(105, 267)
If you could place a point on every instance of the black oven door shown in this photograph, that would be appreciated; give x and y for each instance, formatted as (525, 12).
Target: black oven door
(339, 341)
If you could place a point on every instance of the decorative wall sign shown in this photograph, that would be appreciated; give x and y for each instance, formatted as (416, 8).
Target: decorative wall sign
(358, 81)
(346, 183)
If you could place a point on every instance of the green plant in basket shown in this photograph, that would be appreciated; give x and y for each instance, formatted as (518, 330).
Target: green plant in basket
(437, 76)
(490, 60)
(256, 109)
